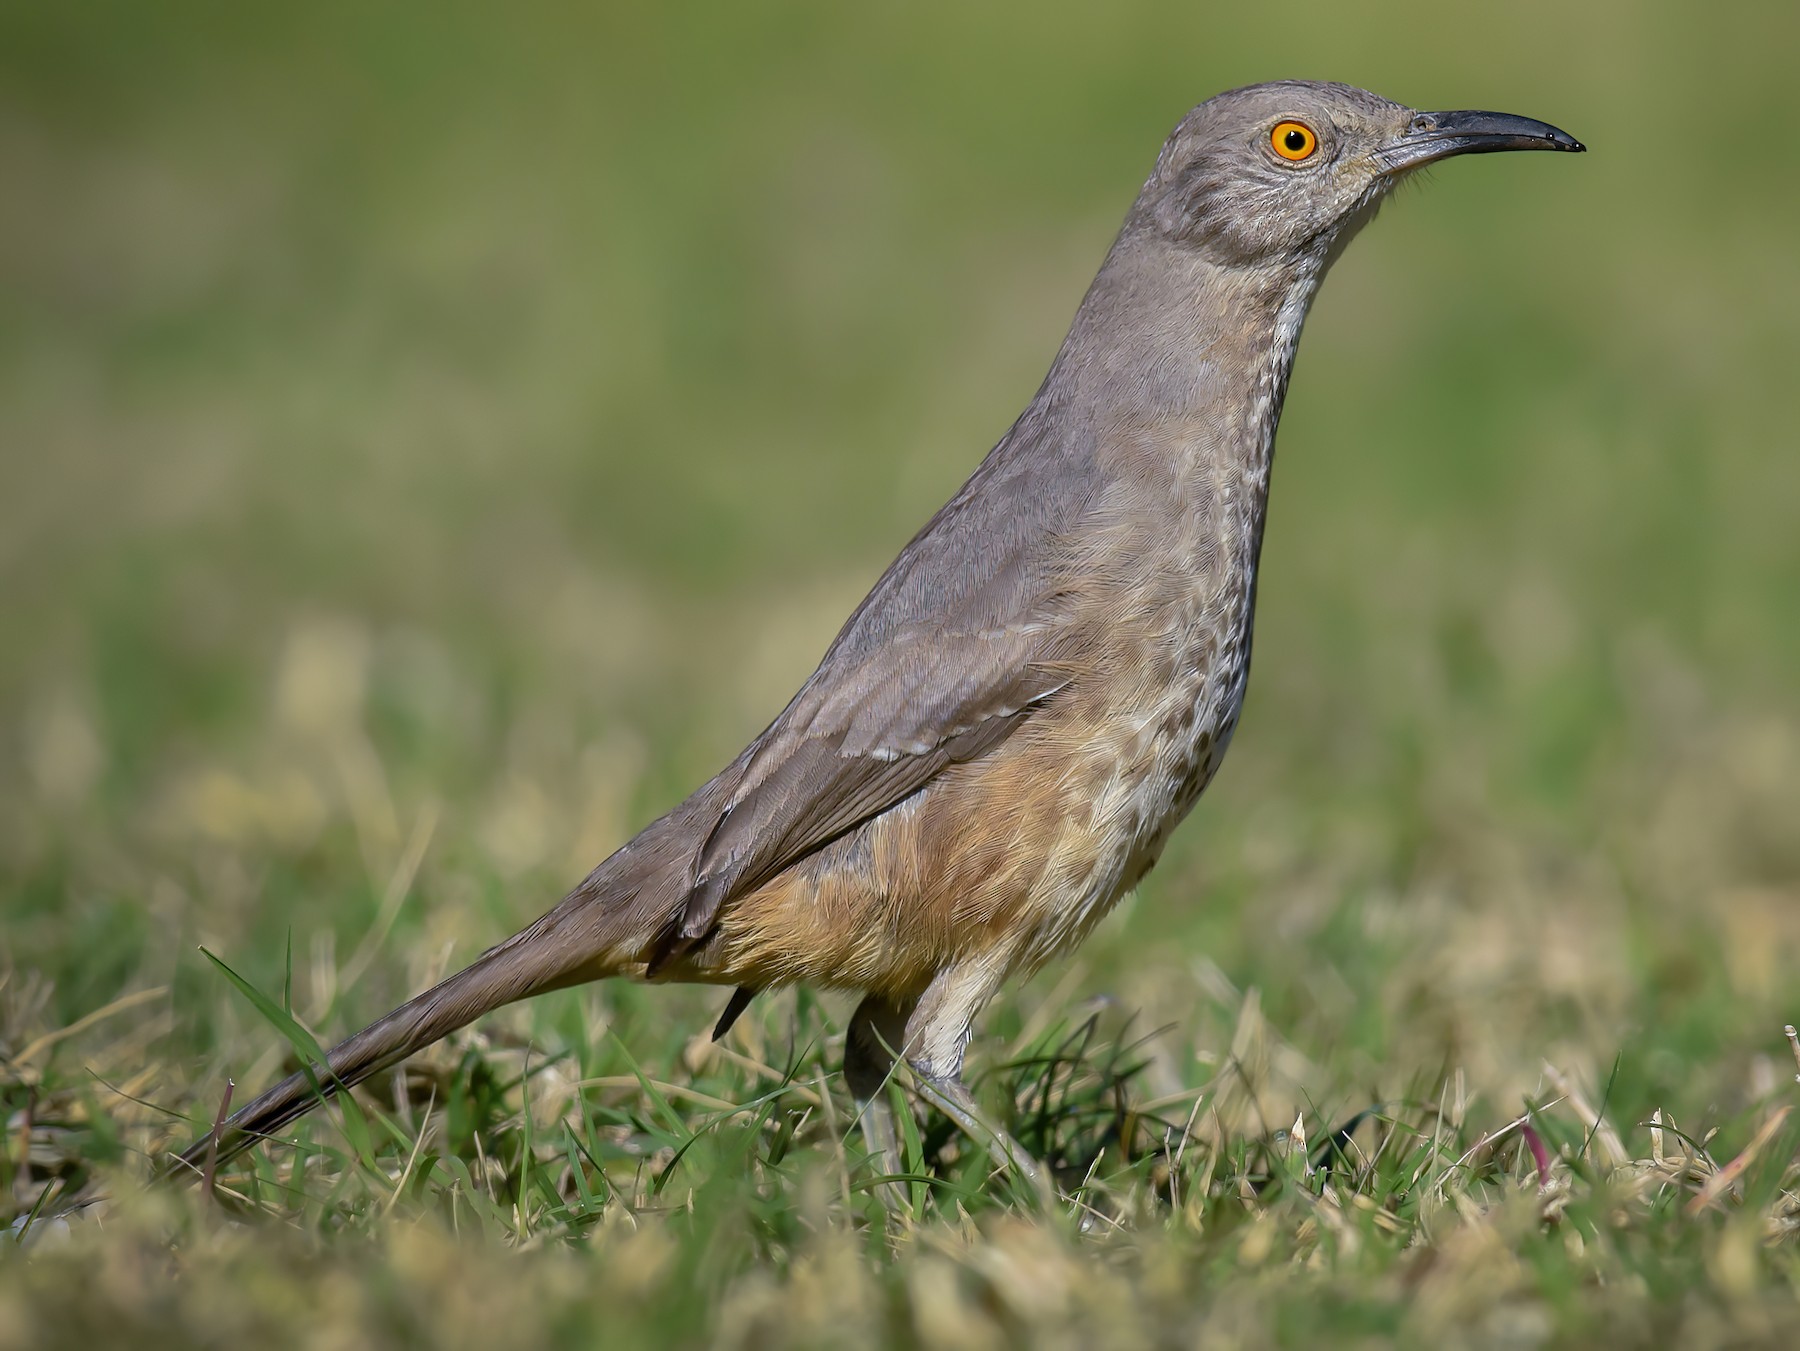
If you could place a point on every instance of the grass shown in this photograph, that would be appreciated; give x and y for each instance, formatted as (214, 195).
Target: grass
(431, 444)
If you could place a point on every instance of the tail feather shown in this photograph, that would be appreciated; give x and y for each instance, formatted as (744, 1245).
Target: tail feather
(607, 926)
(548, 955)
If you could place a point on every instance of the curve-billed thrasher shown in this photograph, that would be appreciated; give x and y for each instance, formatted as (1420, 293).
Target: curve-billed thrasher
(996, 746)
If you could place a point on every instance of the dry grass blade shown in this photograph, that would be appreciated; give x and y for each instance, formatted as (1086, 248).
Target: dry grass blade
(1600, 1132)
(210, 1174)
(1727, 1176)
(82, 1024)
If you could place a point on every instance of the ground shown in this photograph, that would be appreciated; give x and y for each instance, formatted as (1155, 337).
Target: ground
(432, 442)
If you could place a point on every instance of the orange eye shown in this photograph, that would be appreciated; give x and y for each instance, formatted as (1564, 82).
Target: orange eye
(1293, 141)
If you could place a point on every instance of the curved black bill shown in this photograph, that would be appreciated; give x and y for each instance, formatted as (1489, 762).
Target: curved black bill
(1436, 136)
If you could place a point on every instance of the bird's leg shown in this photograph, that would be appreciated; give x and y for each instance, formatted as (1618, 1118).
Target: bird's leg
(952, 1097)
(937, 1034)
(871, 1047)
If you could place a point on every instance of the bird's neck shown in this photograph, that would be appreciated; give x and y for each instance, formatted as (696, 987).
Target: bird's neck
(1178, 367)
(1167, 338)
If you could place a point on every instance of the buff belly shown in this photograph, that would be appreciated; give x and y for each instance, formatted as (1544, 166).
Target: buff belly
(1011, 860)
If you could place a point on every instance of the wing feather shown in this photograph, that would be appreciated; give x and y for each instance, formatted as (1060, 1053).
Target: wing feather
(964, 636)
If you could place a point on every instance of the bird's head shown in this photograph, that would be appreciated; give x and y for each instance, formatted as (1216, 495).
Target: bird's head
(1285, 173)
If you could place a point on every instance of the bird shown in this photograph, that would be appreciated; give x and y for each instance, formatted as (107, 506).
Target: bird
(996, 746)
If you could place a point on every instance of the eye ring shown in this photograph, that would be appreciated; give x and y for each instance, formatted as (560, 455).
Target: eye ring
(1294, 141)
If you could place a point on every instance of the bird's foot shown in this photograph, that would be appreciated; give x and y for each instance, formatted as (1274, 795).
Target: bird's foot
(953, 1099)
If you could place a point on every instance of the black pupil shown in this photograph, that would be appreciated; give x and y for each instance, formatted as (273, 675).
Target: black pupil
(1295, 140)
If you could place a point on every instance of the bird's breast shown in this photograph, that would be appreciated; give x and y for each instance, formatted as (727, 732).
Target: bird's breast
(1191, 664)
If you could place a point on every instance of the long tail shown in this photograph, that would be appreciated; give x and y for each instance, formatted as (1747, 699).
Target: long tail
(604, 927)
(531, 962)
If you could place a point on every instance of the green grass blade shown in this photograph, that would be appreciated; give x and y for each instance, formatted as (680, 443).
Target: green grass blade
(314, 1060)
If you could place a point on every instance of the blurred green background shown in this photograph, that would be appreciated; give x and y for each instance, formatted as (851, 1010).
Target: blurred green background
(457, 428)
